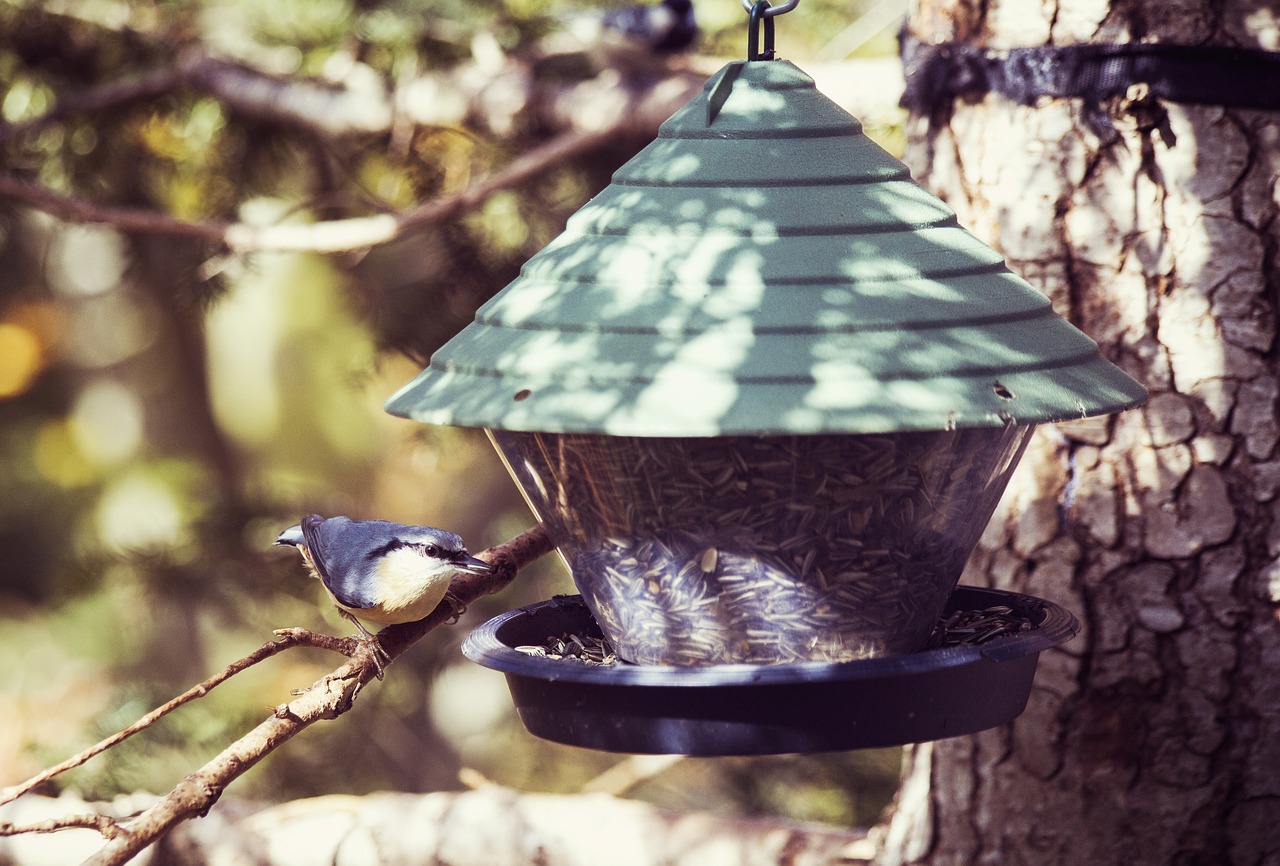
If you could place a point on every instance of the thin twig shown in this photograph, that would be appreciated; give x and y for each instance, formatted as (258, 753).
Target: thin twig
(104, 824)
(286, 638)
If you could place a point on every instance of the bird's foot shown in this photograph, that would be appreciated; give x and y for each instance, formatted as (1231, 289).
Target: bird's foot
(458, 608)
(370, 640)
(376, 652)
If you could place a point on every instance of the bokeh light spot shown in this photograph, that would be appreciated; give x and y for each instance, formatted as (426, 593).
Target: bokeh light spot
(139, 513)
(20, 358)
(58, 459)
(107, 422)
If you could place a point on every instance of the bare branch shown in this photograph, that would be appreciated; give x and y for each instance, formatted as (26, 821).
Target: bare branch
(73, 209)
(331, 109)
(328, 698)
(495, 98)
(506, 559)
(287, 638)
(104, 824)
(586, 115)
(501, 98)
(330, 236)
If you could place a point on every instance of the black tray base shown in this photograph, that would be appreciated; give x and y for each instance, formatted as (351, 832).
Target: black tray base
(767, 709)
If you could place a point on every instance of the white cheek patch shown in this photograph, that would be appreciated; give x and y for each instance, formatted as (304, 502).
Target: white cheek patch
(408, 583)
(400, 576)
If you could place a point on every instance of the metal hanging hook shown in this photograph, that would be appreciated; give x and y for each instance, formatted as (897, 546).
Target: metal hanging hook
(760, 11)
(771, 11)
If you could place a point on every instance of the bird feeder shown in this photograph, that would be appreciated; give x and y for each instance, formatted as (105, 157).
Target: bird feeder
(764, 392)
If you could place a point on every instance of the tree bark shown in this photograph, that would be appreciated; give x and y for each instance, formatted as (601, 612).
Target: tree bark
(1154, 737)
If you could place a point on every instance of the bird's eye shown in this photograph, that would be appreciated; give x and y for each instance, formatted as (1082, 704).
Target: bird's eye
(430, 550)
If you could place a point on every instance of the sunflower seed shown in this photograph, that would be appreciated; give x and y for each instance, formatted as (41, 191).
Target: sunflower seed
(764, 549)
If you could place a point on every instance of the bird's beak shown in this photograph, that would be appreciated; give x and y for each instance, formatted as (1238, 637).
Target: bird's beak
(471, 565)
(291, 537)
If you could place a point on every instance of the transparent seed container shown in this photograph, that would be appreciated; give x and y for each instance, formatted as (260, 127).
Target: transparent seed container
(764, 549)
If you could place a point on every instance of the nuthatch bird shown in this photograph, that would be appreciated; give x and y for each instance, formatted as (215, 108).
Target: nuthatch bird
(381, 571)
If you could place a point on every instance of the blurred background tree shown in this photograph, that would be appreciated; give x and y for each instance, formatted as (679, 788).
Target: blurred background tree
(171, 399)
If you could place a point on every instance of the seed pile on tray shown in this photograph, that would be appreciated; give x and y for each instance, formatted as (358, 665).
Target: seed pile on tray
(764, 549)
(973, 627)
(585, 648)
(957, 629)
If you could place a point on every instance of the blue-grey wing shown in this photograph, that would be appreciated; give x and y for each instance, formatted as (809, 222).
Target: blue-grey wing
(340, 549)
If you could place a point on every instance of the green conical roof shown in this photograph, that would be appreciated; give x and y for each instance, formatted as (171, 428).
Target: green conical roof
(764, 267)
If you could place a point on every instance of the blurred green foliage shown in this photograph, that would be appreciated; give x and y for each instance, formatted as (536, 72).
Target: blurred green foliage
(167, 409)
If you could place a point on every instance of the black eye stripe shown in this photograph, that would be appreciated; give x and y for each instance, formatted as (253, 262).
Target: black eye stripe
(427, 548)
(383, 550)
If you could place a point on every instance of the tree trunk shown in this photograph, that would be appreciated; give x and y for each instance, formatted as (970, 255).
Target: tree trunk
(1154, 737)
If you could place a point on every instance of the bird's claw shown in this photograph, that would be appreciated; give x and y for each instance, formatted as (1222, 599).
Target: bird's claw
(370, 640)
(458, 608)
(376, 652)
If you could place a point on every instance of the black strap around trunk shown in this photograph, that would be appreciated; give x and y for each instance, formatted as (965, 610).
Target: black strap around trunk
(1204, 75)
